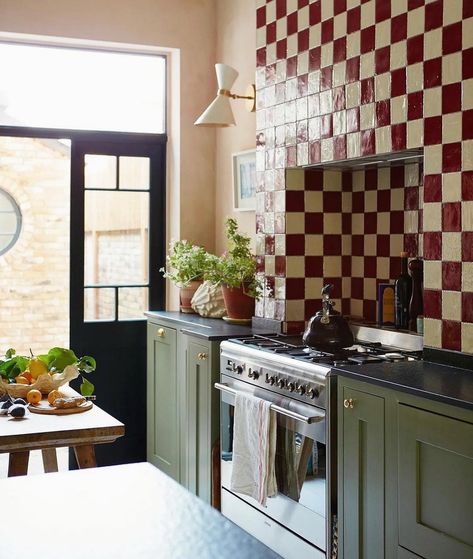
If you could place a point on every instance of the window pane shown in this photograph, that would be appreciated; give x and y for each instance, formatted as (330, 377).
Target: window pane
(55, 87)
(99, 304)
(132, 302)
(134, 172)
(116, 238)
(100, 171)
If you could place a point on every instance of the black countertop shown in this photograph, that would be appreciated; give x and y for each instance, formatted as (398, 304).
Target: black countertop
(208, 328)
(449, 385)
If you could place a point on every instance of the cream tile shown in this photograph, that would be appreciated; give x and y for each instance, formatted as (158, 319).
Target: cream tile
(357, 308)
(367, 64)
(346, 288)
(294, 309)
(433, 101)
(332, 266)
(411, 222)
(315, 35)
(326, 55)
(313, 287)
(467, 216)
(415, 133)
(339, 71)
(313, 201)
(433, 44)
(432, 216)
(314, 245)
(314, 82)
(382, 267)
(358, 181)
(353, 144)
(432, 274)
(383, 139)
(399, 109)
(467, 155)
(271, 52)
(333, 181)
(452, 12)
(269, 308)
(432, 159)
(332, 224)
(295, 267)
(339, 123)
(353, 44)
(370, 245)
(396, 244)
(270, 11)
(451, 187)
(260, 245)
(452, 128)
(326, 102)
(369, 288)
(292, 46)
(398, 7)
(302, 154)
(382, 86)
(352, 4)
(371, 201)
(302, 63)
(411, 174)
(452, 68)
(327, 10)
(347, 202)
(415, 77)
(467, 97)
(357, 266)
(398, 55)
(261, 37)
(280, 288)
(280, 245)
(269, 265)
(383, 34)
(339, 25)
(295, 179)
(415, 22)
(451, 246)
(367, 14)
(357, 224)
(467, 337)
(353, 94)
(295, 222)
(384, 223)
(269, 222)
(467, 276)
(451, 305)
(432, 332)
(281, 28)
(291, 6)
(346, 245)
(384, 178)
(367, 116)
(467, 34)
(302, 17)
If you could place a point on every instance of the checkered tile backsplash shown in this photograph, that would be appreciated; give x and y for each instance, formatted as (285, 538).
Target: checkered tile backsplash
(340, 79)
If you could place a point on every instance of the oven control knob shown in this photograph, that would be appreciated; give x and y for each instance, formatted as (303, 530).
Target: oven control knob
(239, 369)
(281, 383)
(291, 386)
(312, 393)
(269, 380)
(300, 389)
(253, 374)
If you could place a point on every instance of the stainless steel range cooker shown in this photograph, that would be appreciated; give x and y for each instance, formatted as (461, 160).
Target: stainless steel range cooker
(300, 522)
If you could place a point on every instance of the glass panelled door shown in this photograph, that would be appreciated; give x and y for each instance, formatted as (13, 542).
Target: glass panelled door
(117, 247)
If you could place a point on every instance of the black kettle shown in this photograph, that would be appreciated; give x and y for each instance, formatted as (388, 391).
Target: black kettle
(328, 331)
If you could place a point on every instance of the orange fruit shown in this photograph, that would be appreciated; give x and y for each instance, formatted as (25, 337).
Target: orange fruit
(53, 395)
(34, 396)
(28, 376)
(20, 379)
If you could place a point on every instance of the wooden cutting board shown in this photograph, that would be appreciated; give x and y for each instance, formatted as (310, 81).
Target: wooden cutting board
(44, 408)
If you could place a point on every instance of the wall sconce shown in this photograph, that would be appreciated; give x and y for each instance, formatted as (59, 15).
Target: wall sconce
(219, 112)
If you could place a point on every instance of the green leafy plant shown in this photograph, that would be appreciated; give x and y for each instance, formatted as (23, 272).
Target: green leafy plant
(237, 266)
(185, 263)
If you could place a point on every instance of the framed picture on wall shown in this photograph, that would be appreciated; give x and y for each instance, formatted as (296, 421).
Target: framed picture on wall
(244, 180)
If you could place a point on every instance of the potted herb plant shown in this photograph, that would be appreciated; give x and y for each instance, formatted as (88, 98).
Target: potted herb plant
(235, 271)
(185, 266)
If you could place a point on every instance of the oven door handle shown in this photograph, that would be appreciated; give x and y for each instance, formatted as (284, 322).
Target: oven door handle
(319, 416)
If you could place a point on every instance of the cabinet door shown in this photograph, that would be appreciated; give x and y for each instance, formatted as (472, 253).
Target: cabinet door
(361, 474)
(435, 484)
(163, 425)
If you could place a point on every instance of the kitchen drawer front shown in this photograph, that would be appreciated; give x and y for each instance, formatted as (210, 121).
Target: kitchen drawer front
(435, 484)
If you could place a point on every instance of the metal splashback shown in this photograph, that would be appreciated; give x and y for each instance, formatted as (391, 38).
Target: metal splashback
(395, 339)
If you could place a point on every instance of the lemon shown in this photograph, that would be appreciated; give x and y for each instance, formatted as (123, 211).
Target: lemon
(37, 367)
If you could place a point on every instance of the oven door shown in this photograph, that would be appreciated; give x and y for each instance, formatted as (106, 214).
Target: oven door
(300, 464)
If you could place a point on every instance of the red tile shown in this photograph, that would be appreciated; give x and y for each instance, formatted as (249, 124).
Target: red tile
(332, 245)
(398, 82)
(413, 4)
(326, 126)
(467, 246)
(394, 266)
(291, 67)
(383, 10)
(339, 6)
(467, 9)
(292, 23)
(314, 266)
(433, 188)
(415, 49)
(399, 136)
(467, 307)
(367, 91)
(281, 8)
(367, 39)
(451, 98)
(347, 181)
(383, 203)
(357, 288)
(339, 50)
(411, 198)
(281, 49)
(271, 33)
(261, 57)
(314, 152)
(411, 244)
(295, 244)
(302, 85)
(295, 201)
(291, 156)
(451, 216)
(452, 276)
(314, 223)
(358, 202)
(352, 71)
(369, 310)
(452, 38)
(396, 222)
(295, 288)
(358, 245)
(303, 40)
(451, 335)
(327, 31)
(433, 245)
(270, 74)
(353, 119)
(292, 327)
(433, 130)
(433, 303)
(433, 15)
(280, 265)
(433, 72)
(383, 113)
(396, 175)
(353, 20)
(370, 267)
(338, 95)
(315, 12)
(260, 264)
(346, 224)
(302, 4)
(346, 266)
(269, 244)
(314, 179)
(467, 125)
(259, 223)
(382, 245)
(370, 225)
(382, 59)
(467, 185)
(451, 157)
(332, 202)
(260, 17)
(311, 307)
(467, 64)
(398, 28)
(314, 59)
(340, 147)
(415, 105)
(371, 178)
(326, 78)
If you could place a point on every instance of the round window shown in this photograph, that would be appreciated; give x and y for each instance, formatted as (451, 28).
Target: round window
(10, 222)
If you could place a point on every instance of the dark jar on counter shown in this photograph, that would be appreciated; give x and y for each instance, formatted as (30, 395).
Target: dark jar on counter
(402, 294)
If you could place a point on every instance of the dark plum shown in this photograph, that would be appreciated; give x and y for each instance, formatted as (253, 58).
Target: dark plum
(17, 411)
(19, 401)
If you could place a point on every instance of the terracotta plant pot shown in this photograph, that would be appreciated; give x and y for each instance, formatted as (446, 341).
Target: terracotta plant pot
(239, 305)
(186, 294)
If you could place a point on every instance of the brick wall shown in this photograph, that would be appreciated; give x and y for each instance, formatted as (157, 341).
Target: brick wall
(341, 79)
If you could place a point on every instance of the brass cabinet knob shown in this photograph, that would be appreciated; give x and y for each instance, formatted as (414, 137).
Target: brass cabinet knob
(349, 403)
(161, 332)
(202, 356)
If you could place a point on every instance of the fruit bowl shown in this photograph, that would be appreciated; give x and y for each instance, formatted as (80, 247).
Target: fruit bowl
(44, 383)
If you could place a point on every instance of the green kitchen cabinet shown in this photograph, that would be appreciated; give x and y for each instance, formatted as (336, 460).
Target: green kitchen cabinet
(361, 473)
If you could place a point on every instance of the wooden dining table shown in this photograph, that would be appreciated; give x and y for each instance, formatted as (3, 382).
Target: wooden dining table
(79, 431)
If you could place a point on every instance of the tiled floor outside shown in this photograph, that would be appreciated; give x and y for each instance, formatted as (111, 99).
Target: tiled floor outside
(35, 465)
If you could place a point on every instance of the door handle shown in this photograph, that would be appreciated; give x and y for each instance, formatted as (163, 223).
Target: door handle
(161, 333)
(202, 356)
(349, 403)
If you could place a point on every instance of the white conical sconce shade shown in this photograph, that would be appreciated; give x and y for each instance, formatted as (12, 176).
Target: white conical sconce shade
(219, 112)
